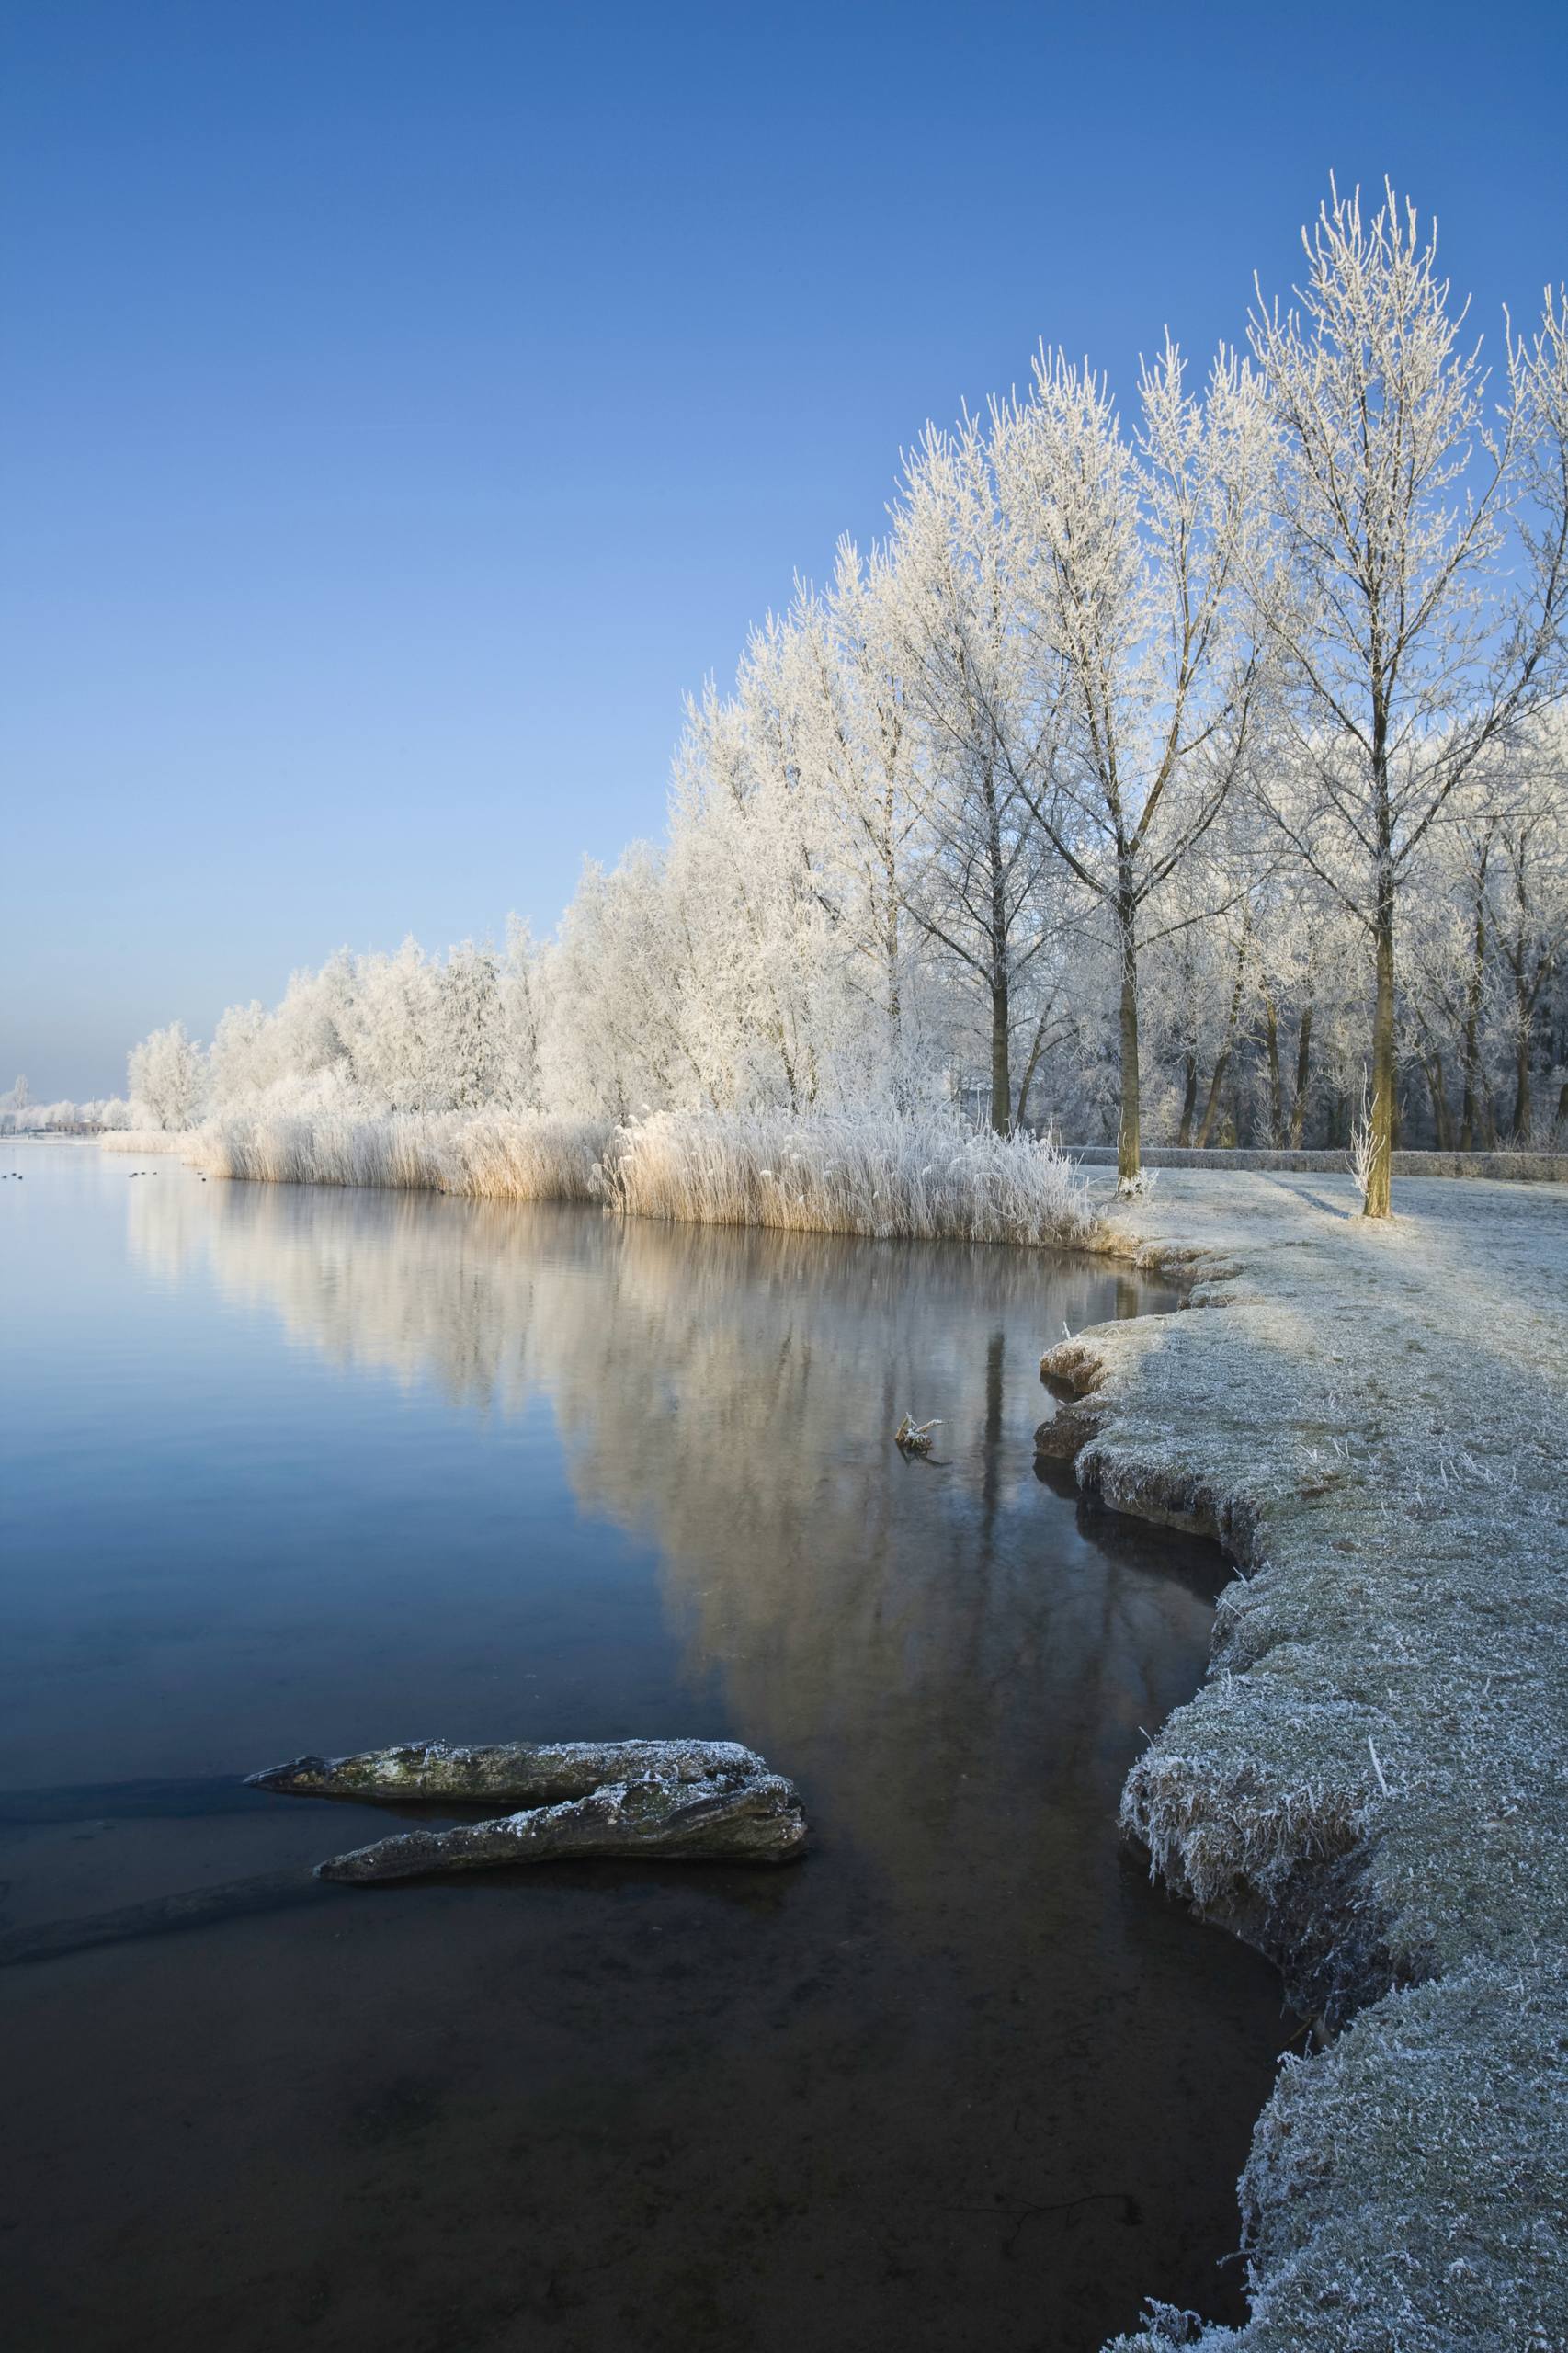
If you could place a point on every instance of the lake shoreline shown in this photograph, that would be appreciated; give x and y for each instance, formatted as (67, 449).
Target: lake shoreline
(1371, 1786)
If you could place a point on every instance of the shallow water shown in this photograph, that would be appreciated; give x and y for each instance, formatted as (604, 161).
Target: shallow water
(289, 1468)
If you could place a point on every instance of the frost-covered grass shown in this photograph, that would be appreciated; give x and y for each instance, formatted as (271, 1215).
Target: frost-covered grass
(928, 1178)
(1373, 1783)
(494, 1154)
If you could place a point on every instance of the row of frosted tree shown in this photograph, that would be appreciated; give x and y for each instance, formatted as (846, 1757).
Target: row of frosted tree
(1195, 776)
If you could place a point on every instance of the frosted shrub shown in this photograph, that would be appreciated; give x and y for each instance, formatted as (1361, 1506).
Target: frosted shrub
(1363, 1146)
(925, 1176)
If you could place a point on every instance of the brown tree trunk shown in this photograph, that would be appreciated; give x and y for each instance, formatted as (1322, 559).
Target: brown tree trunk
(1000, 1075)
(1036, 1056)
(1469, 1056)
(1217, 1082)
(1271, 1046)
(1378, 1203)
(1442, 1126)
(898, 1078)
(1001, 1005)
(1128, 1158)
(1523, 1106)
(1189, 1098)
(1303, 1073)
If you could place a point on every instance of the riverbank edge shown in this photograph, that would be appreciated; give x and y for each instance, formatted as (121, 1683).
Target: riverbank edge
(1416, 1906)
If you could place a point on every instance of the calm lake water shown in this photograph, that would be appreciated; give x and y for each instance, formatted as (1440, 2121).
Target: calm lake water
(290, 1469)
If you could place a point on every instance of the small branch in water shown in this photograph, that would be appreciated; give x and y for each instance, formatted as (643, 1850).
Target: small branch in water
(124, 1800)
(914, 1438)
(1132, 2212)
(199, 1907)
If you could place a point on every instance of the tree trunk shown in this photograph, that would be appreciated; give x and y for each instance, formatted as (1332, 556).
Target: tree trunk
(1188, 1098)
(1036, 1055)
(1001, 1076)
(1128, 1153)
(1303, 1073)
(1442, 1126)
(1469, 1056)
(1271, 1045)
(1378, 1203)
(1523, 1107)
(1001, 1009)
(898, 1077)
(1216, 1084)
(1212, 1104)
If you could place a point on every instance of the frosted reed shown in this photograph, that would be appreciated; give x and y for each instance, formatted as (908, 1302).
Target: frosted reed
(144, 1140)
(504, 1155)
(926, 1177)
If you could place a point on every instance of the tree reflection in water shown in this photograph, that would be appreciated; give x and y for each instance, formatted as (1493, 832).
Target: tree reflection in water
(993, 2023)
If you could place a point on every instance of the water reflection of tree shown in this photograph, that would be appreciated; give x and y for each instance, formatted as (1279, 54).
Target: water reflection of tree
(937, 1642)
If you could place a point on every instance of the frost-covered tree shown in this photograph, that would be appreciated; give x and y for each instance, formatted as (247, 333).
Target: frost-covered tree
(1091, 794)
(1409, 649)
(860, 745)
(616, 984)
(467, 1046)
(748, 861)
(1128, 560)
(1529, 898)
(524, 1011)
(979, 882)
(165, 1073)
(242, 1059)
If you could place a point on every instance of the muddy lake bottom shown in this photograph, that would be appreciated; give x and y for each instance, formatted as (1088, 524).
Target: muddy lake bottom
(292, 1470)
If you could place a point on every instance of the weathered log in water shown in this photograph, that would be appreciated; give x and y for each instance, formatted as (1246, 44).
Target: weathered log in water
(739, 1817)
(199, 1907)
(433, 1770)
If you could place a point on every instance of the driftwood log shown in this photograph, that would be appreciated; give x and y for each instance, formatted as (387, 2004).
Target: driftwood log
(433, 1772)
(733, 1816)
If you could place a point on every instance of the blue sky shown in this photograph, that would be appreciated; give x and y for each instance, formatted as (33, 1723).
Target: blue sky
(404, 404)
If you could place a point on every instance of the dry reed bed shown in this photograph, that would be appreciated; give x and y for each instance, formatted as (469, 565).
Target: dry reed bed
(484, 1155)
(143, 1139)
(920, 1179)
(926, 1179)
